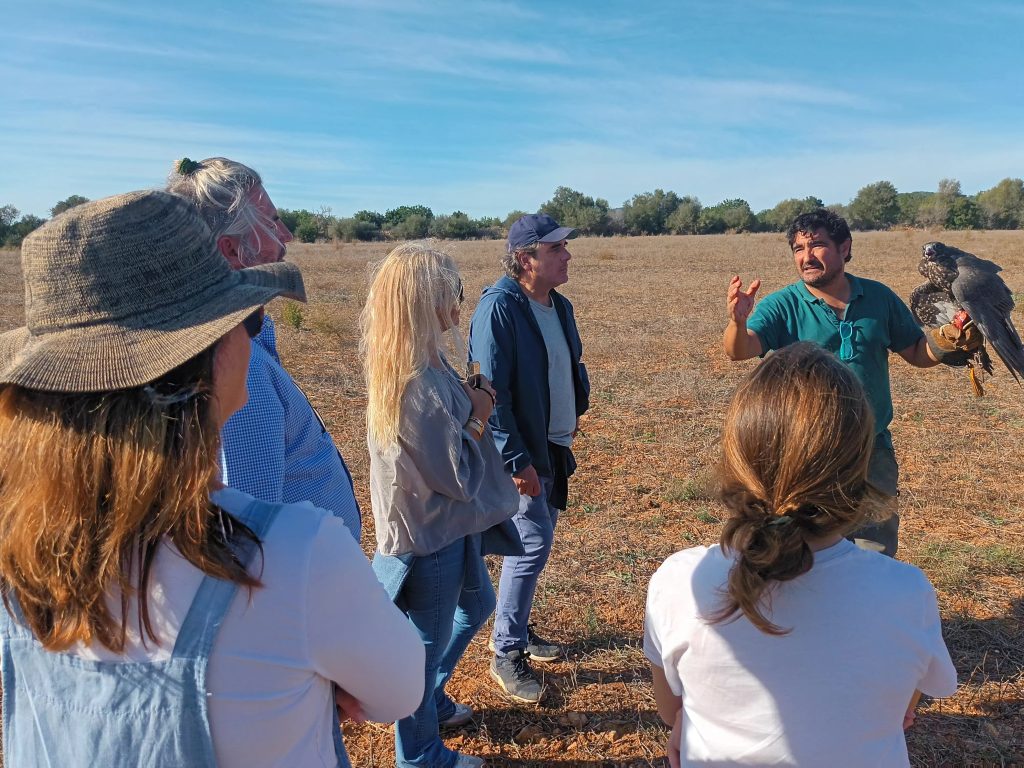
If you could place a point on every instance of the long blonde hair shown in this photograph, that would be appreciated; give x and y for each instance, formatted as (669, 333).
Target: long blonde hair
(401, 331)
(90, 484)
(796, 445)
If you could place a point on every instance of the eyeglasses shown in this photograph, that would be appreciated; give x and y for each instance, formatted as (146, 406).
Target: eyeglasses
(845, 340)
(462, 294)
(254, 323)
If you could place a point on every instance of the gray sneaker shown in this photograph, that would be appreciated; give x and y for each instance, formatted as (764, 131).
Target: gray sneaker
(538, 648)
(513, 674)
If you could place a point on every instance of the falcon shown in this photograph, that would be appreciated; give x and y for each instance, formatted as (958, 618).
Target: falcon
(963, 289)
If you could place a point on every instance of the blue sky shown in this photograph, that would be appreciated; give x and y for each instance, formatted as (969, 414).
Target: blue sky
(487, 106)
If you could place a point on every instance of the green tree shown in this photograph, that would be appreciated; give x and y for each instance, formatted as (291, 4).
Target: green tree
(20, 229)
(910, 203)
(397, 216)
(685, 219)
(1002, 206)
(414, 226)
(290, 219)
(512, 218)
(779, 218)
(308, 231)
(646, 213)
(371, 217)
(728, 216)
(324, 219)
(964, 213)
(8, 215)
(932, 212)
(457, 226)
(875, 206)
(574, 209)
(306, 226)
(488, 228)
(949, 208)
(67, 204)
(357, 229)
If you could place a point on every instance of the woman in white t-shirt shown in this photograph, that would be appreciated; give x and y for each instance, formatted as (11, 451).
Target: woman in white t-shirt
(154, 617)
(786, 644)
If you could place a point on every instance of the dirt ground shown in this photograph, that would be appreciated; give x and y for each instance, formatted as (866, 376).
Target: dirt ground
(651, 313)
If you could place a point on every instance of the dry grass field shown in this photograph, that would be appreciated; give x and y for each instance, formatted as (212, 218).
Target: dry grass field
(651, 312)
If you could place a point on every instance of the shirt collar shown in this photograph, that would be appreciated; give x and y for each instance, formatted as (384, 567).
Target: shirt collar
(837, 550)
(856, 290)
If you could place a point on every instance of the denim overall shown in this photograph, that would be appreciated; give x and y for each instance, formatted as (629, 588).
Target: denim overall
(60, 710)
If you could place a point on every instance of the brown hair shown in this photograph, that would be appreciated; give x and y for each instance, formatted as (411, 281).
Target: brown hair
(91, 484)
(795, 450)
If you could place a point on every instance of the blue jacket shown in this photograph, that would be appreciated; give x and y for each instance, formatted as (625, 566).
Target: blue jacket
(506, 340)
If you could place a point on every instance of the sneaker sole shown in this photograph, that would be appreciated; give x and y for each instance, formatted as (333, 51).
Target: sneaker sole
(541, 659)
(497, 678)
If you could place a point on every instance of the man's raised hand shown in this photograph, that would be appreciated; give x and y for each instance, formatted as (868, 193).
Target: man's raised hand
(739, 302)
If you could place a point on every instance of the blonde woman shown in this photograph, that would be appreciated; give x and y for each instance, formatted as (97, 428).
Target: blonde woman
(153, 616)
(437, 484)
(787, 644)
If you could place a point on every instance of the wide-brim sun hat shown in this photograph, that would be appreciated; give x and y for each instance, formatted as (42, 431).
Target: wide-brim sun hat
(122, 290)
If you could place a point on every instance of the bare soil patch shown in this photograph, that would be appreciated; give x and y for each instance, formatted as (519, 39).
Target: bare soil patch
(651, 313)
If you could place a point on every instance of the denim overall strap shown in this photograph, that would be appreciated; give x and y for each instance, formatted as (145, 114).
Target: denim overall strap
(63, 710)
(214, 596)
(211, 604)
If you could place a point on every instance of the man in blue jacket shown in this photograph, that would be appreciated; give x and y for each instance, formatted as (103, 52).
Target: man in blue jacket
(524, 336)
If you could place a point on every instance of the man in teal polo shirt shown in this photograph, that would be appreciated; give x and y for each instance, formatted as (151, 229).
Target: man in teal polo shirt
(859, 320)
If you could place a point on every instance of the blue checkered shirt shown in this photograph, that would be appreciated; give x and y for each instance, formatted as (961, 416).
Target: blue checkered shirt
(277, 448)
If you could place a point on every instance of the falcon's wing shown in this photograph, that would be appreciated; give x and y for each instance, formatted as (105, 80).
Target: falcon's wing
(989, 302)
(932, 306)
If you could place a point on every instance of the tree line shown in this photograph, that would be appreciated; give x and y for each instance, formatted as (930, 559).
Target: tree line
(876, 206)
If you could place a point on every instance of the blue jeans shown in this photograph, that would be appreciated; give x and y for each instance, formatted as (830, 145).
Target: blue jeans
(883, 473)
(447, 597)
(536, 520)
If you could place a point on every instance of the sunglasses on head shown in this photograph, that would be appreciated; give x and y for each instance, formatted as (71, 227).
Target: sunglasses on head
(254, 323)
(462, 293)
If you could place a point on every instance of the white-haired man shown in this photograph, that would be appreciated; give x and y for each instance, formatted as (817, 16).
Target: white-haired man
(277, 447)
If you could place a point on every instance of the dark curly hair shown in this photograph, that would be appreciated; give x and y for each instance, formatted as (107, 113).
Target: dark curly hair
(821, 218)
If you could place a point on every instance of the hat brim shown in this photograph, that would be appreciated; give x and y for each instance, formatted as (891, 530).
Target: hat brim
(558, 235)
(130, 352)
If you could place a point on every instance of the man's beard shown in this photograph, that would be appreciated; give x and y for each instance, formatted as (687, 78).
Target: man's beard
(821, 280)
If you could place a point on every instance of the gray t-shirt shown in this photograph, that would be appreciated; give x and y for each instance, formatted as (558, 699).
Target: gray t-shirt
(562, 422)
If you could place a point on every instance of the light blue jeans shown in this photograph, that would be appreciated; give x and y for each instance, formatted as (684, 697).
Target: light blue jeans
(535, 520)
(447, 597)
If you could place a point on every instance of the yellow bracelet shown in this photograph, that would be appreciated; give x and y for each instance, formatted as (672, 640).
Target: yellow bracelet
(475, 426)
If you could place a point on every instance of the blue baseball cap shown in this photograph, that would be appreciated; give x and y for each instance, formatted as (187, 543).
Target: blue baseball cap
(536, 228)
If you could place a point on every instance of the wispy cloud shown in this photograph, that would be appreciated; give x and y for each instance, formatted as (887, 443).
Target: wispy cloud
(488, 106)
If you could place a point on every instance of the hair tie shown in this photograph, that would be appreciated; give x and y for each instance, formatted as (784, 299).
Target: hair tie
(187, 166)
(780, 520)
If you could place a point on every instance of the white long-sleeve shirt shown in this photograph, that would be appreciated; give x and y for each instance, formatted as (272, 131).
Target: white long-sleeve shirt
(320, 618)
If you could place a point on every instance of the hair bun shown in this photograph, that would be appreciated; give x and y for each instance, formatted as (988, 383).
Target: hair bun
(186, 166)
